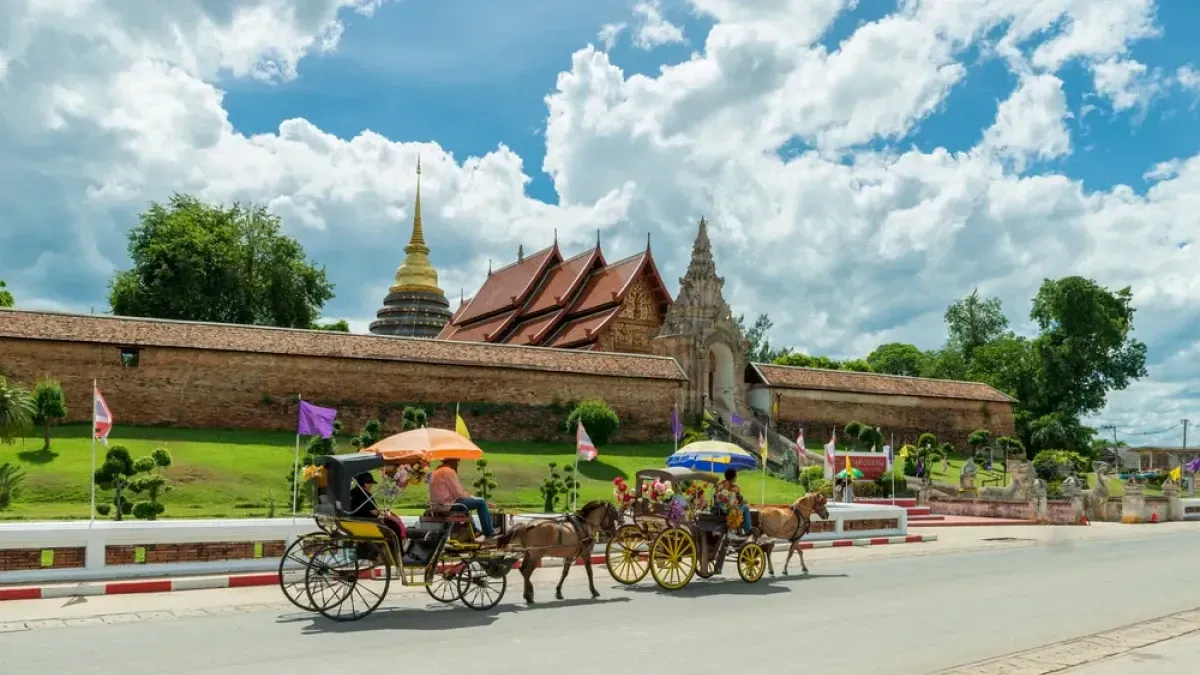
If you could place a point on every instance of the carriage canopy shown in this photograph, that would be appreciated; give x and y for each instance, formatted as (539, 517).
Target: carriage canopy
(674, 474)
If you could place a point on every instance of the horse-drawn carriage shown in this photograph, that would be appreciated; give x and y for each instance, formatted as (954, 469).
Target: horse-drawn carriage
(350, 562)
(676, 543)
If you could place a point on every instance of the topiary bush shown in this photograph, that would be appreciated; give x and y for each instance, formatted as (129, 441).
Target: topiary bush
(810, 476)
(1055, 465)
(598, 419)
(884, 483)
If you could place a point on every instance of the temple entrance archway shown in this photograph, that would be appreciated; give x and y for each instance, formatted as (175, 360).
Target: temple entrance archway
(721, 371)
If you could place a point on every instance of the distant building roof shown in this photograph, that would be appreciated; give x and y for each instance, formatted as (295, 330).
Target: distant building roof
(791, 377)
(139, 332)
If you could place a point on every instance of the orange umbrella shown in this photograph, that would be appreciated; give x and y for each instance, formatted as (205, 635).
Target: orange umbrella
(428, 444)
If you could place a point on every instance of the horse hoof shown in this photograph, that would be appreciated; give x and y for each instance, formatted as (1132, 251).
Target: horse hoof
(558, 596)
(595, 595)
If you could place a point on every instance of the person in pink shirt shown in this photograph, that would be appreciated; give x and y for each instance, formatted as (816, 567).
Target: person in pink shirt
(445, 489)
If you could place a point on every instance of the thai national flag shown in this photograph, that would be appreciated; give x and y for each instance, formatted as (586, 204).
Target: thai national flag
(102, 419)
(583, 444)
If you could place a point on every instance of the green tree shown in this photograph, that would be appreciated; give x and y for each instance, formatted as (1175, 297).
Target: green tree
(553, 488)
(974, 322)
(851, 430)
(149, 482)
(944, 364)
(856, 365)
(1085, 348)
(979, 440)
(199, 262)
(870, 437)
(371, 433)
(16, 411)
(897, 358)
(333, 326)
(49, 404)
(6, 298)
(760, 349)
(115, 474)
(11, 480)
(798, 360)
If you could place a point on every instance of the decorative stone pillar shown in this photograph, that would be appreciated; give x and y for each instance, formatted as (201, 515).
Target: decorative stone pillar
(1133, 504)
(1037, 501)
(1174, 504)
(1073, 494)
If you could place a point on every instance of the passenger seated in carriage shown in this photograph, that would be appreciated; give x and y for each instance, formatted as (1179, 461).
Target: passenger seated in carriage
(446, 490)
(363, 506)
(730, 485)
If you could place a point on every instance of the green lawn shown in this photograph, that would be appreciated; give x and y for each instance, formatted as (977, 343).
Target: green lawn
(229, 474)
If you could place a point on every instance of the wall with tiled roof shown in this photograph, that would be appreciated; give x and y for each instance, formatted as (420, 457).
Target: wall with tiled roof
(208, 375)
(791, 377)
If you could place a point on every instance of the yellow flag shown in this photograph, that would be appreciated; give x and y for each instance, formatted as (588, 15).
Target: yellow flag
(849, 468)
(461, 427)
(762, 449)
(1176, 474)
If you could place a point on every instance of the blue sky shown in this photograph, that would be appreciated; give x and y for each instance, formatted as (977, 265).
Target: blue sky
(861, 166)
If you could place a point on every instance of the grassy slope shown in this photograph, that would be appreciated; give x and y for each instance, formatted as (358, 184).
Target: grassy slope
(235, 473)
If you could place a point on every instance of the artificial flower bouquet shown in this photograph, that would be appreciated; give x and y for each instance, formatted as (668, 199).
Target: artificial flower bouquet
(312, 472)
(623, 494)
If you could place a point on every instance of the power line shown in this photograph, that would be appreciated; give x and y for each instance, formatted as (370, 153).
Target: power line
(1115, 430)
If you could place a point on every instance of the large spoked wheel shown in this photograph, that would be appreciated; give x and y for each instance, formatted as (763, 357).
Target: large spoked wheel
(751, 562)
(294, 564)
(673, 559)
(626, 555)
(442, 584)
(347, 582)
(481, 585)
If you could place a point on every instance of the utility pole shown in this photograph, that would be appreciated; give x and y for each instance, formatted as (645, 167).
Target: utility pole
(1183, 459)
(1116, 450)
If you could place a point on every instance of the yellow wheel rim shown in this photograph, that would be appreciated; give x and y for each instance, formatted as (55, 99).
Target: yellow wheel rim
(627, 555)
(673, 559)
(752, 562)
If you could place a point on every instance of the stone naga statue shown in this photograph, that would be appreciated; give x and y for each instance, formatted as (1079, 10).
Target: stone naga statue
(1013, 492)
(966, 479)
(1095, 501)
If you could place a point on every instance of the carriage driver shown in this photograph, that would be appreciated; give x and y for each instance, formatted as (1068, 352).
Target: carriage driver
(730, 484)
(363, 506)
(445, 489)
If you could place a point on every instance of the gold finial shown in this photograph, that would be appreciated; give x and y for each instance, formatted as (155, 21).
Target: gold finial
(417, 273)
(520, 252)
(647, 241)
(489, 267)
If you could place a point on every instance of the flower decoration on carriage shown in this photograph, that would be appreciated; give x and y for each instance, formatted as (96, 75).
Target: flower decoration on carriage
(676, 511)
(733, 519)
(622, 494)
(696, 499)
(727, 497)
(658, 492)
(314, 472)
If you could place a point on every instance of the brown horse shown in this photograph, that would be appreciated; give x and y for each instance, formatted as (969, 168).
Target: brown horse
(790, 523)
(570, 537)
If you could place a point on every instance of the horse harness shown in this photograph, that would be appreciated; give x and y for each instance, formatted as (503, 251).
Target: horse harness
(800, 531)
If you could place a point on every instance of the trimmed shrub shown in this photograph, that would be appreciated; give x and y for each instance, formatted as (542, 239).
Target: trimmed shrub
(598, 419)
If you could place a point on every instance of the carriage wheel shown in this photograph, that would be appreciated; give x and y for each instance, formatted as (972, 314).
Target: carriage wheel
(751, 562)
(626, 555)
(442, 584)
(479, 589)
(345, 586)
(673, 559)
(291, 580)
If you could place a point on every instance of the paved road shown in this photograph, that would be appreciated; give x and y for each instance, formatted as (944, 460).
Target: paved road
(901, 615)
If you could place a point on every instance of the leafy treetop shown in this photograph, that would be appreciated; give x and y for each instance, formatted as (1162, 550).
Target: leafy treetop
(199, 262)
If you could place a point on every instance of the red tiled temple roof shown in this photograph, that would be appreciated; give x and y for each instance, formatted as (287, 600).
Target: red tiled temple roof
(557, 301)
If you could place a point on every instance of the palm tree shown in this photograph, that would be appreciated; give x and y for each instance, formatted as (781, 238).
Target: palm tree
(16, 411)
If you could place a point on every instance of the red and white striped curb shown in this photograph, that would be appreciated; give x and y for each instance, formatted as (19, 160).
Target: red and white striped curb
(272, 578)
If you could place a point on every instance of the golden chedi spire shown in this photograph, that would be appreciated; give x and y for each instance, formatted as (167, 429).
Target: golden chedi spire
(416, 273)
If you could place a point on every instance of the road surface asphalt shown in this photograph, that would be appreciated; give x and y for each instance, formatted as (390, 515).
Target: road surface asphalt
(874, 615)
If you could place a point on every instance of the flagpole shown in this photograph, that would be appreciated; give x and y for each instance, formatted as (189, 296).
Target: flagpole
(575, 476)
(892, 466)
(296, 465)
(92, 478)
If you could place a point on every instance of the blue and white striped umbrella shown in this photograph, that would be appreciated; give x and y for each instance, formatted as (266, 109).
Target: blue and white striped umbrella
(712, 457)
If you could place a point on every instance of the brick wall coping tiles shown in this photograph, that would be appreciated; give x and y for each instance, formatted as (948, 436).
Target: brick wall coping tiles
(793, 377)
(140, 332)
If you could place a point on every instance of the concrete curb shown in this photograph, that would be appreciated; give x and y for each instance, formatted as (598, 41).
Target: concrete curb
(271, 578)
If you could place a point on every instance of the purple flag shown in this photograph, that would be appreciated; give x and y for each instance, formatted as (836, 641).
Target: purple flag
(737, 420)
(676, 425)
(315, 420)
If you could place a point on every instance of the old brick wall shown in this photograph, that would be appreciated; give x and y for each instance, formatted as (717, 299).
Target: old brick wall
(905, 416)
(241, 390)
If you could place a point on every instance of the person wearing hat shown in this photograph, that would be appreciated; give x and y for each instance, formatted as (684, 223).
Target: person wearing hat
(363, 506)
(445, 489)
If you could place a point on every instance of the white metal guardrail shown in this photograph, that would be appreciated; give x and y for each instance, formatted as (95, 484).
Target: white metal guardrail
(96, 537)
